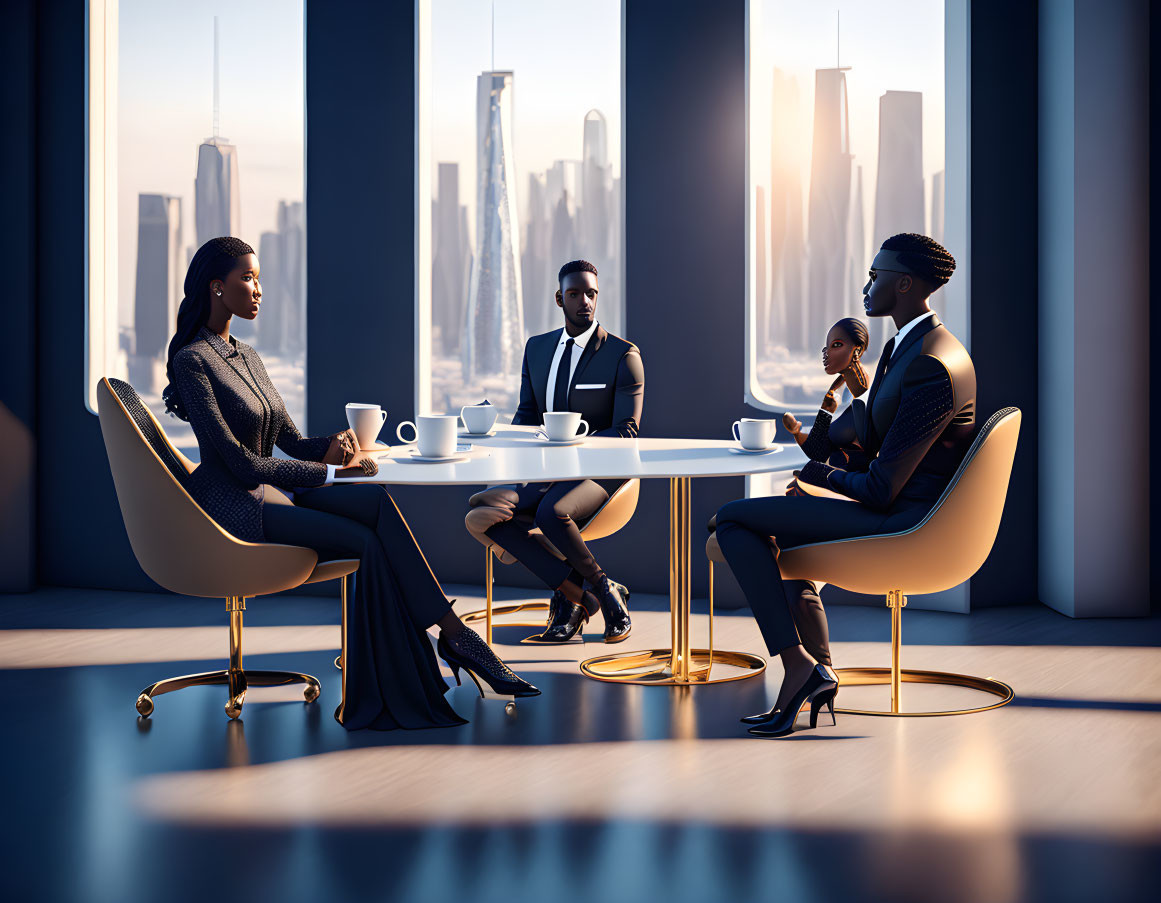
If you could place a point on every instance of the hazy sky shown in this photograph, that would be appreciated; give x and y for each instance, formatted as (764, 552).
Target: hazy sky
(165, 94)
(892, 45)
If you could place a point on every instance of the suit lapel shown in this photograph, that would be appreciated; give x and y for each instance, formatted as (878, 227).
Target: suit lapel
(540, 367)
(876, 383)
(594, 345)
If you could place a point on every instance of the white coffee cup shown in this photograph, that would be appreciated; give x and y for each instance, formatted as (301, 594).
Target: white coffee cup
(435, 434)
(754, 434)
(366, 420)
(479, 418)
(562, 425)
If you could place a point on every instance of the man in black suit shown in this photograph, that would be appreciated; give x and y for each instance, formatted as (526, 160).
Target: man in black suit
(580, 368)
(916, 426)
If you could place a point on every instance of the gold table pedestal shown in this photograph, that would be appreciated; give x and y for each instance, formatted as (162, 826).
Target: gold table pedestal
(680, 664)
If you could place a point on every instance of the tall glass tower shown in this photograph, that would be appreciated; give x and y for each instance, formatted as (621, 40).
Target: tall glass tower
(494, 333)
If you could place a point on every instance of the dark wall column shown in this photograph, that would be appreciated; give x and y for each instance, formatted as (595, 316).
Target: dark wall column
(18, 363)
(1003, 304)
(81, 537)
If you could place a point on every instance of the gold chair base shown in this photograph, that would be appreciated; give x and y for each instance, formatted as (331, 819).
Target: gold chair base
(859, 677)
(238, 683)
(654, 667)
(500, 611)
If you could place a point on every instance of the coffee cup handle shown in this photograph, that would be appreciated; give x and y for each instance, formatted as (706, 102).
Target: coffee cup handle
(585, 424)
(734, 429)
(382, 418)
(399, 432)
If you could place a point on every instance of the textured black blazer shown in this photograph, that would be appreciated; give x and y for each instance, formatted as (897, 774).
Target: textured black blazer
(607, 388)
(916, 425)
(238, 417)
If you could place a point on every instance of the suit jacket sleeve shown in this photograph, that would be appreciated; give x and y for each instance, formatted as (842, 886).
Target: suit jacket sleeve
(527, 414)
(629, 400)
(288, 438)
(926, 407)
(197, 394)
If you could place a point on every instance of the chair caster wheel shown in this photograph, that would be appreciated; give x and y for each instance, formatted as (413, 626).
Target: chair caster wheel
(339, 662)
(310, 692)
(144, 706)
(234, 708)
(510, 708)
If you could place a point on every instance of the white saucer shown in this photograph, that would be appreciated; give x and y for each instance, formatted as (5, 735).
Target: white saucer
(738, 450)
(464, 434)
(424, 459)
(540, 440)
(378, 449)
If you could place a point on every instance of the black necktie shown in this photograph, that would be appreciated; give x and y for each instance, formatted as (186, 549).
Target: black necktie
(563, 377)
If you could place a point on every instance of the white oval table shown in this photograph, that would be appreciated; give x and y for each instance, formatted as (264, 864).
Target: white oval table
(515, 454)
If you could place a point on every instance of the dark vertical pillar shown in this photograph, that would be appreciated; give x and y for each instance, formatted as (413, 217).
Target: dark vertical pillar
(18, 363)
(360, 201)
(80, 534)
(1003, 304)
(685, 244)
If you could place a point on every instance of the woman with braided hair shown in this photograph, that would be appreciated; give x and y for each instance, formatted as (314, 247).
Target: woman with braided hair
(916, 425)
(220, 386)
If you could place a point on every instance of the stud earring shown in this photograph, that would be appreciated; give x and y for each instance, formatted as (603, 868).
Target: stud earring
(219, 294)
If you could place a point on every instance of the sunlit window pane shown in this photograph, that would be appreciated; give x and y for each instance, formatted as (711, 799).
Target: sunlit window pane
(206, 131)
(847, 126)
(525, 154)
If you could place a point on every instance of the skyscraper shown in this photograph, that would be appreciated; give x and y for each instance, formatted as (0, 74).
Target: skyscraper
(216, 189)
(495, 318)
(761, 291)
(158, 290)
(857, 260)
(786, 320)
(938, 214)
(830, 194)
(595, 228)
(899, 184)
(535, 263)
(452, 260)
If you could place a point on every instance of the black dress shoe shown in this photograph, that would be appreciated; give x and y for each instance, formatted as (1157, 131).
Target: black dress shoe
(471, 653)
(569, 619)
(613, 598)
(819, 689)
(761, 717)
(821, 699)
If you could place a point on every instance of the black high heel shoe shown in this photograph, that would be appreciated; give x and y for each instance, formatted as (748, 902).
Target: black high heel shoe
(761, 717)
(477, 658)
(819, 684)
(822, 699)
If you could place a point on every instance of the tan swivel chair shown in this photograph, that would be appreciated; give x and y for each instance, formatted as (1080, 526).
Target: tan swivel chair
(617, 511)
(184, 550)
(942, 551)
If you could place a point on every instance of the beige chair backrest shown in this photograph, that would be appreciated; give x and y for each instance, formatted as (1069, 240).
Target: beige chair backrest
(177, 544)
(944, 549)
(615, 513)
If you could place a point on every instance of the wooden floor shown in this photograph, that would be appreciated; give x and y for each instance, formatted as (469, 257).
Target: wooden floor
(590, 792)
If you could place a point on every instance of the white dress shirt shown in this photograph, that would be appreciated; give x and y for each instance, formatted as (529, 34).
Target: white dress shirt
(579, 342)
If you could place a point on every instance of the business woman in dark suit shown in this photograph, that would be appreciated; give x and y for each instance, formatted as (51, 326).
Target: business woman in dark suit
(582, 368)
(914, 430)
(221, 387)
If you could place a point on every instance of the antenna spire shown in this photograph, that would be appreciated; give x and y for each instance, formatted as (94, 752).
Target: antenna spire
(838, 53)
(493, 35)
(215, 77)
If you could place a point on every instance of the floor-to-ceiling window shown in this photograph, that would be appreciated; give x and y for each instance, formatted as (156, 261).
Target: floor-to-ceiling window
(519, 171)
(196, 125)
(857, 131)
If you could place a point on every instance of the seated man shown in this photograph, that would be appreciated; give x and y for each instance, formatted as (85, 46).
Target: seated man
(582, 368)
(916, 426)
